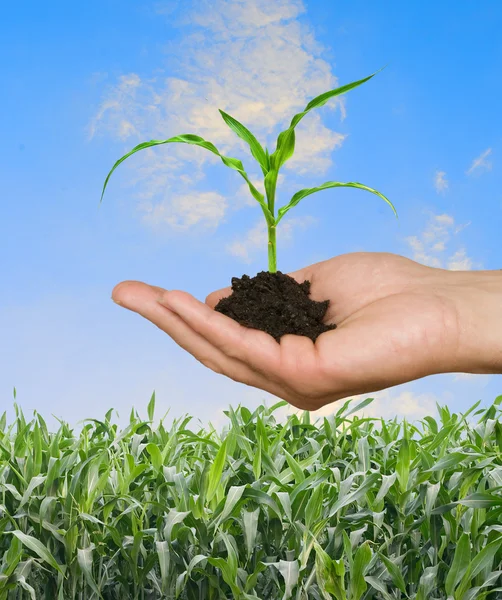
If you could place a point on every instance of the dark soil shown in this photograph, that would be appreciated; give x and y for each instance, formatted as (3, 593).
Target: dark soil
(275, 303)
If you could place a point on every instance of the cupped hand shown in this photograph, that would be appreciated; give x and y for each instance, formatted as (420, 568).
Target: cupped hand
(397, 321)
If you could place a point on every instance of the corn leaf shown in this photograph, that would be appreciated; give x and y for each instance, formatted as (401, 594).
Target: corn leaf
(394, 572)
(286, 141)
(329, 184)
(120, 521)
(361, 561)
(188, 138)
(254, 145)
(216, 470)
(36, 546)
(459, 565)
(85, 561)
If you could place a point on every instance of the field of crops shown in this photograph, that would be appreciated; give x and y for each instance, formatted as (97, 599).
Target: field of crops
(347, 508)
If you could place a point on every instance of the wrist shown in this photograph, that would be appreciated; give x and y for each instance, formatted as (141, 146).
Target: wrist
(477, 296)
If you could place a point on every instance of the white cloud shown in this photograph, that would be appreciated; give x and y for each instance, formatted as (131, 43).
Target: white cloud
(440, 181)
(431, 248)
(404, 405)
(481, 163)
(185, 211)
(122, 94)
(387, 404)
(251, 58)
(256, 240)
(459, 261)
(243, 196)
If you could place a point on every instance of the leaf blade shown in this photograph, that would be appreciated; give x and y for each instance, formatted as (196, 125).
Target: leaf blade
(36, 546)
(328, 185)
(286, 140)
(243, 132)
(189, 138)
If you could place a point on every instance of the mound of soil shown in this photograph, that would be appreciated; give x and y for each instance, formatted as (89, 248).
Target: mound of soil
(277, 304)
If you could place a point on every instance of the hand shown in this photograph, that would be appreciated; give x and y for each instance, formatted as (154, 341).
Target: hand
(397, 321)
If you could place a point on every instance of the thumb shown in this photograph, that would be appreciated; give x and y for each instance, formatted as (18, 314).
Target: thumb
(214, 297)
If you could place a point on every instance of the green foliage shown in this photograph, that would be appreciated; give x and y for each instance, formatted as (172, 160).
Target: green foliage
(348, 508)
(270, 164)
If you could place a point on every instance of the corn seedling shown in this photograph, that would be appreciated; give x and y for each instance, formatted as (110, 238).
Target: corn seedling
(270, 164)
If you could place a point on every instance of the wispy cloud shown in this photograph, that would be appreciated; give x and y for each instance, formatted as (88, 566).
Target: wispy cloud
(252, 58)
(185, 211)
(406, 405)
(440, 182)
(481, 163)
(431, 247)
(255, 239)
(387, 404)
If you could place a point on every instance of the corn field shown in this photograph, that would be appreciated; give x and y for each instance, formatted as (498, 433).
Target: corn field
(346, 508)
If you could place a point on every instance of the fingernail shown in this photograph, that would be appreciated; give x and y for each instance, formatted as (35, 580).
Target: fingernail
(117, 302)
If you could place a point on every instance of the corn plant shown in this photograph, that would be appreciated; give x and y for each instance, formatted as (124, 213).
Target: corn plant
(270, 164)
(345, 508)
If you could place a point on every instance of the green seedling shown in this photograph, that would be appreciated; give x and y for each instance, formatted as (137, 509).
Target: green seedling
(270, 164)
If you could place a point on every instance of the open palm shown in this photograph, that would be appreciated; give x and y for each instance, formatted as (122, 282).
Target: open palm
(396, 322)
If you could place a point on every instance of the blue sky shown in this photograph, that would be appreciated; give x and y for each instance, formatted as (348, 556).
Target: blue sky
(83, 84)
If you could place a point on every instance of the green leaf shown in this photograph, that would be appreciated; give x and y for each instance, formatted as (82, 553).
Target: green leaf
(484, 559)
(164, 557)
(450, 460)
(394, 572)
(461, 560)
(12, 557)
(363, 450)
(403, 464)
(314, 506)
(329, 184)
(354, 496)
(234, 494)
(357, 582)
(344, 412)
(227, 573)
(254, 145)
(84, 558)
(40, 550)
(216, 471)
(330, 574)
(481, 562)
(34, 483)
(257, 463)
(286, 140)
(387, 482)
(151, 407)
(481, 500)
(173, 518)
(189, 138)
(430, 497)
(155, 455)
(250, 528)
(290, 571)
(295, 467)
(378, 585)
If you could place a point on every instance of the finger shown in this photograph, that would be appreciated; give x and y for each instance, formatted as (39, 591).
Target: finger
(142, 298)
(130, 292)
(214, 297)
(300, 361)
(255, 348)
